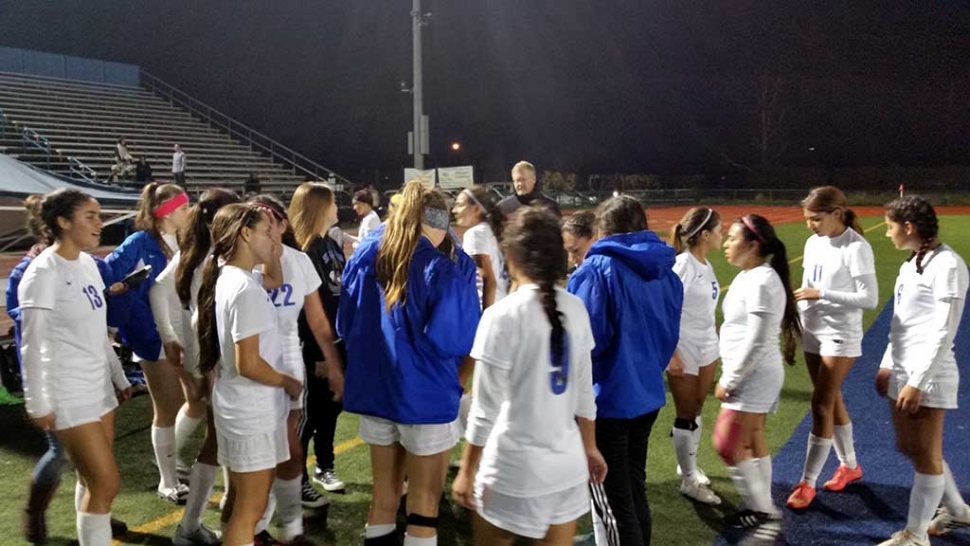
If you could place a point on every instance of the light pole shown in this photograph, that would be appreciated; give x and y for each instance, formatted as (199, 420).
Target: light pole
(419, 138)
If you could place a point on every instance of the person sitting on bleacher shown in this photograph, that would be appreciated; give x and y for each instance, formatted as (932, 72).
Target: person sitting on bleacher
(124, 161)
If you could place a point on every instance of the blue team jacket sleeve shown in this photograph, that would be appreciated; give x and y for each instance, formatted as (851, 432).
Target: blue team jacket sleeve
(591, 286)
(123, 259)
(454, 307)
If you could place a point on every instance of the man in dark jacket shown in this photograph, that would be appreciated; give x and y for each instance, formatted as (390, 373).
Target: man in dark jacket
(527, 191)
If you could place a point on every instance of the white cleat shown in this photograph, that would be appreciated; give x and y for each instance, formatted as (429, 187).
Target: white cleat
(904, 538)
(699, 475)
(699, 492)
(944, 522)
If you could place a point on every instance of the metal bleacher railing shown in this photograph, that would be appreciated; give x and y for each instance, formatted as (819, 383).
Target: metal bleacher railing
(82, 171)
(249, 136)
(34, 139)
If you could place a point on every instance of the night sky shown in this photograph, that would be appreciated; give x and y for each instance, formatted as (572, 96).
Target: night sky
(598, 86)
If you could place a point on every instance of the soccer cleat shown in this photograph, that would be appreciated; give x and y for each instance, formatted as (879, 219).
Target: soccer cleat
(174, 495)
(301, 540)
(329, 480)
(843, 476)
(265, 539)
(183, 473)
(802, 496)
(699, 475)
(118, 528)
(311, 498)
(904, 538)
(944, 522)
(693, 489)
(203, 536)
(747, 518)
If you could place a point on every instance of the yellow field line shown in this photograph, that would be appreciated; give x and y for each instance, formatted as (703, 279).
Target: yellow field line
(175, 517)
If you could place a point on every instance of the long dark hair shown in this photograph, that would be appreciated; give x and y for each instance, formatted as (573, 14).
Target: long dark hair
(919, 212)
(196, 239)
(280, 212)
(226, 229)
(771, 247)
(695, 222)
(620, 214)
(43, 212)
(491, 213)
(831, 199)
(533, 244)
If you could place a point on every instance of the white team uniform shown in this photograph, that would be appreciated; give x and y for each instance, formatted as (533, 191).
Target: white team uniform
(173, 321)
(835, 265)
(480, 240)
(533, 472)
(751, 362)
(250, 417)
(300, 279)
(70, 368)
(926, 317)
(368, 223)
(698, 344)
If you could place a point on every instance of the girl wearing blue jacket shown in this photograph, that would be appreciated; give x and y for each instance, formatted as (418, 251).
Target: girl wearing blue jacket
(634, 301)
(408, 315)
(162, 212)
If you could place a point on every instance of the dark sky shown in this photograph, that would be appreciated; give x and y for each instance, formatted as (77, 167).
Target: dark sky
(592, 86)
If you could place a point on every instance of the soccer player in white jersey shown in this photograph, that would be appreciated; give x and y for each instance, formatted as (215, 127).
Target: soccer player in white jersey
(531, 432)
(238, 333)
(181, 279)
(758, 307)
(475, 211)
(919, 370)
(71, 373)
(691, 370)
(838, 283)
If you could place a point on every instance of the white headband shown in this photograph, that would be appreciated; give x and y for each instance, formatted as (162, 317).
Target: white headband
(700, 226)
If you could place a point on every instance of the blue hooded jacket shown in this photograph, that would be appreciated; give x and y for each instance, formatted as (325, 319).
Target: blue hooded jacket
(131, 312)
(634, 301)
(403, 365)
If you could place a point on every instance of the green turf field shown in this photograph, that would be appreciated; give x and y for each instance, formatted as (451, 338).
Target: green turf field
(677, 522)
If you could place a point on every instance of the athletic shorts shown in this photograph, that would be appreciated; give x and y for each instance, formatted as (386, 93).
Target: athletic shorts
(82, 414)
(418, 440)
(759, 391)
(940, 393)
(827, 345)
(531, 517)
(255, 451)
(696, 356)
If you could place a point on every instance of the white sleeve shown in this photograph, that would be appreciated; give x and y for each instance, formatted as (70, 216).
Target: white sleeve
(158, 297)
(586, 399)
(495, 340)
(35, 357)
(115, 369)
(861, 260)
(865, 296)
(247, 316)
(473, 242)
(490, 388)
(887, 358)
(805, 252)
(310, 274)
(758, 332)
(682, 270)
(945, 321)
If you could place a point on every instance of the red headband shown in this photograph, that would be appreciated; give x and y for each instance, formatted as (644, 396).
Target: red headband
(747, 222)
(169, 206)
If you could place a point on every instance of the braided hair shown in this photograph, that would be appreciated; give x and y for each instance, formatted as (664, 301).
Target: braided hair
(920, 214)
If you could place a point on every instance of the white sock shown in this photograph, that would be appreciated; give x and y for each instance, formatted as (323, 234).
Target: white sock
(697, 436)
(376, 531)
(952, 500)
(200, 487)
(289, 503)
(924, 499)
(93, 529)
(815, 457)
(686, 456)
(763, 464)
(185, 426)
(263, 523)
(79, 491)
(163, 440)
(747, 480)
(419, 541)
(845, 446)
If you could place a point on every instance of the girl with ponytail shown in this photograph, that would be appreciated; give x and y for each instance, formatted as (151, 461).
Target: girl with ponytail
(758, 307)
(477, 212)
(162, 213)
(408, 315)
(838, 283)
(176, 289)
(238, 338)
(690, 374)
(919, 372)
(531, 432)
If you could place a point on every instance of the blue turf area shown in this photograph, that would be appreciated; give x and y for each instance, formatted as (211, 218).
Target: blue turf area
(870, 511)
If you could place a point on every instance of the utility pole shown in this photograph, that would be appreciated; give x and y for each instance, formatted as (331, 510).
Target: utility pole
(419, 136)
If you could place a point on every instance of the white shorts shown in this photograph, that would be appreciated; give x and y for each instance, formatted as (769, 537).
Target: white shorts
(161, 356)
(760, 390)
(77, 415)
(531, 517)
(418, 440)
(827, 345)
(940, 393)
(253, 452)
(696, 356)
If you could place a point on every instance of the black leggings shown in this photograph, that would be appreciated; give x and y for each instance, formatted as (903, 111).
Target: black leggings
(319, 421)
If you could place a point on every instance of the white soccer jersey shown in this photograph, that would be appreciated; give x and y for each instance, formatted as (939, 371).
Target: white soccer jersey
(834, 264)
(368, 223)
(300, 279)
(74, 366)
(241, 406)
(757, 290)
(479, 240)
(921, 340)
(521, 412)
(701, 290)
(181, 323)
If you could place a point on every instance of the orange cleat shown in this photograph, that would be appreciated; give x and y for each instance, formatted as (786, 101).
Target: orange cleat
(802, 496)
(843, 476)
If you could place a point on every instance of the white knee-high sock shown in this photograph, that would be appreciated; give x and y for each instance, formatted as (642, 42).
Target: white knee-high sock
(185, 427)
(952, 499)
(416, 541)
(924, 499)
(200, 487)
(845, 445)
(697, 436)
(289, 504)
(377, 531)
(93, 529)
(815, 457)
(763, 464)
(748, 481)
(264, 521)
(686, 456)
(163, 440)
(79, 491)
